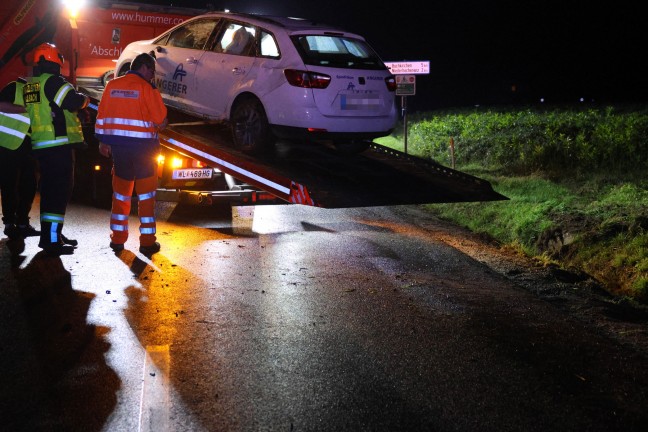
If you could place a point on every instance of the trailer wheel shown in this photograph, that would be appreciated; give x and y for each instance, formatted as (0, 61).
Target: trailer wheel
(249, 126)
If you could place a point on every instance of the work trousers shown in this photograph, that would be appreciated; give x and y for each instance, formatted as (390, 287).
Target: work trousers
(17, 183)
(56, 166)
(121, 206)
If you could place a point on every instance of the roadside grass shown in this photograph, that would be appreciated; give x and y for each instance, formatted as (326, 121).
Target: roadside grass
(575, 177)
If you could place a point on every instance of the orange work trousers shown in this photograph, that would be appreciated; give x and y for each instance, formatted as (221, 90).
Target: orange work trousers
(121, 206)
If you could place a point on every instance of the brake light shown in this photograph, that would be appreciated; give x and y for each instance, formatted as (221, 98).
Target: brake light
(391, 83)
(305, 79)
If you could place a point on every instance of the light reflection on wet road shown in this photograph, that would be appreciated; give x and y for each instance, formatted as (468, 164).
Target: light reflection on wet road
(294, 318)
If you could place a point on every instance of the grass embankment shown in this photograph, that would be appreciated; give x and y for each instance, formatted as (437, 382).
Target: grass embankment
(575, 176)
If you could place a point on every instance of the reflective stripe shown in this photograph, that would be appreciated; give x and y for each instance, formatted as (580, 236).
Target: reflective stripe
(147, 230)
(63, 91)
(54, 233)
(109, 126)
(146, 196)
(23, 118)
(52, 217)
(121, 197)
(13, 132)
(55, 220)
(119, 217)
(116, 227)
(126, 133)
(13, 129)
(50, 143)
(125, 121)
(147, 219)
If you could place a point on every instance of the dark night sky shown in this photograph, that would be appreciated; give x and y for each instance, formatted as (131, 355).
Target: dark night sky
(557, 50)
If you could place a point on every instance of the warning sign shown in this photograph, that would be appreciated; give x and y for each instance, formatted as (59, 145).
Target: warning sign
(405, 85)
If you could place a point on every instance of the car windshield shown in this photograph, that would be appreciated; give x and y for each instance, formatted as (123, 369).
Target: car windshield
(337, 51)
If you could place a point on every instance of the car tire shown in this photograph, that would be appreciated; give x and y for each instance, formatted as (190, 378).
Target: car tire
(107, 77)
(249, 126)
(124, 69)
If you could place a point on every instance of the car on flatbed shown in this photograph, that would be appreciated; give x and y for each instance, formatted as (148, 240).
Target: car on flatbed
(273, 78)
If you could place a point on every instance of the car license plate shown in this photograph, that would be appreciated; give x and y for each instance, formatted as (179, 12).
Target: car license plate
(192, 173)
(368, 102)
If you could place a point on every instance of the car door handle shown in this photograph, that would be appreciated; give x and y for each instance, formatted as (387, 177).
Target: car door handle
(238, 71)
(191, 60)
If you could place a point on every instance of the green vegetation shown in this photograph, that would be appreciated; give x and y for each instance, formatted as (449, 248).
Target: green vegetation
(576, 179)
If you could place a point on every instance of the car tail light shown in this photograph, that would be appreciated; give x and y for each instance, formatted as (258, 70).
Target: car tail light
(391, 83)
(305, 79)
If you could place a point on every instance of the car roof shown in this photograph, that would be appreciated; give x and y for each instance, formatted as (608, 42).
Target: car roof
(289, 23)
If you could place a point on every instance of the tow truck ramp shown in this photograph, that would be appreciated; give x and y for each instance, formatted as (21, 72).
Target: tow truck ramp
(316, 175)
(313, 174)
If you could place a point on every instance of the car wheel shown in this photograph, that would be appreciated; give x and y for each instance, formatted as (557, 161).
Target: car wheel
(351, 147)
(124, 69)
(250, 129)
(107, 77)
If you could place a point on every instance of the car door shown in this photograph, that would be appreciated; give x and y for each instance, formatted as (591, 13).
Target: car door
(177, 64)
(227, 69)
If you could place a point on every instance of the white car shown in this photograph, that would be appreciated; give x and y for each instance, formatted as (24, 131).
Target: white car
(272, 77)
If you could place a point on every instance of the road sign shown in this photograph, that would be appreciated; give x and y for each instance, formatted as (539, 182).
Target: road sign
(405, 85)
(409, 67)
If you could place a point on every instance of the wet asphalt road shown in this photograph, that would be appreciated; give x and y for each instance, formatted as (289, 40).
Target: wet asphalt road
(291, 318)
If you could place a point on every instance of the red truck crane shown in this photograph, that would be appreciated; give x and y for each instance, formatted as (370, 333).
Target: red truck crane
(90, 37)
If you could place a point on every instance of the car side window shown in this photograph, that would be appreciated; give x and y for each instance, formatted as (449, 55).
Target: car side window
(193, 35)
(269, 47)
(238, 40)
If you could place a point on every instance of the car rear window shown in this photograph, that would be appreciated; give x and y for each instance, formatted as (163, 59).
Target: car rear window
(337, 51)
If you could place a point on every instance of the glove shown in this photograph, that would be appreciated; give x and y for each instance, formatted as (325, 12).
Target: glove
(104, 149)
(84, 116)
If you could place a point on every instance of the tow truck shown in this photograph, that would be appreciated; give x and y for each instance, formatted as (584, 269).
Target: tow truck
(197, 164)
(90, 35)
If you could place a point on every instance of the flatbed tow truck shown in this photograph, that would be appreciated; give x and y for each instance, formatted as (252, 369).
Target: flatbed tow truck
(306, 174)
(209, 170)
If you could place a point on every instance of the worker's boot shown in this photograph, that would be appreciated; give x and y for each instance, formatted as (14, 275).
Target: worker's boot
(69, 241)
(11, 231)
(50, 237)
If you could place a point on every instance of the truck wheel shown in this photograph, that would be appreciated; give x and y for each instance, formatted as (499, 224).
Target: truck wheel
(250, 129)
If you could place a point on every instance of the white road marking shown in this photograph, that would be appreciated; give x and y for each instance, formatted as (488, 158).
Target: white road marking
(154, 405)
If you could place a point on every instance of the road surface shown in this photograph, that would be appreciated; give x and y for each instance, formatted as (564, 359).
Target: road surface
(293, 318)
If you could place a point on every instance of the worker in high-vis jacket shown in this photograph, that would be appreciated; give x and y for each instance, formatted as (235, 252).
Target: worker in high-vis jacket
(17, 164)
(130, 115)
(53, 105)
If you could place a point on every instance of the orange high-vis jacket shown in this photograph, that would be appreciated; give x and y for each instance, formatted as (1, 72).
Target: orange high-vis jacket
(129, 110)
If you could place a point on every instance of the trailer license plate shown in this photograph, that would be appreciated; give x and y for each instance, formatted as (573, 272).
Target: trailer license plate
(192, 173)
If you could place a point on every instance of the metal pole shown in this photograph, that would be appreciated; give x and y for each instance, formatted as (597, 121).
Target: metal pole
(404, 110)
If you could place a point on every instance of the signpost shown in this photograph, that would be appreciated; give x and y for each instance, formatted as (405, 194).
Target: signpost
(406, 72)
(419, 67)
(405, 85)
